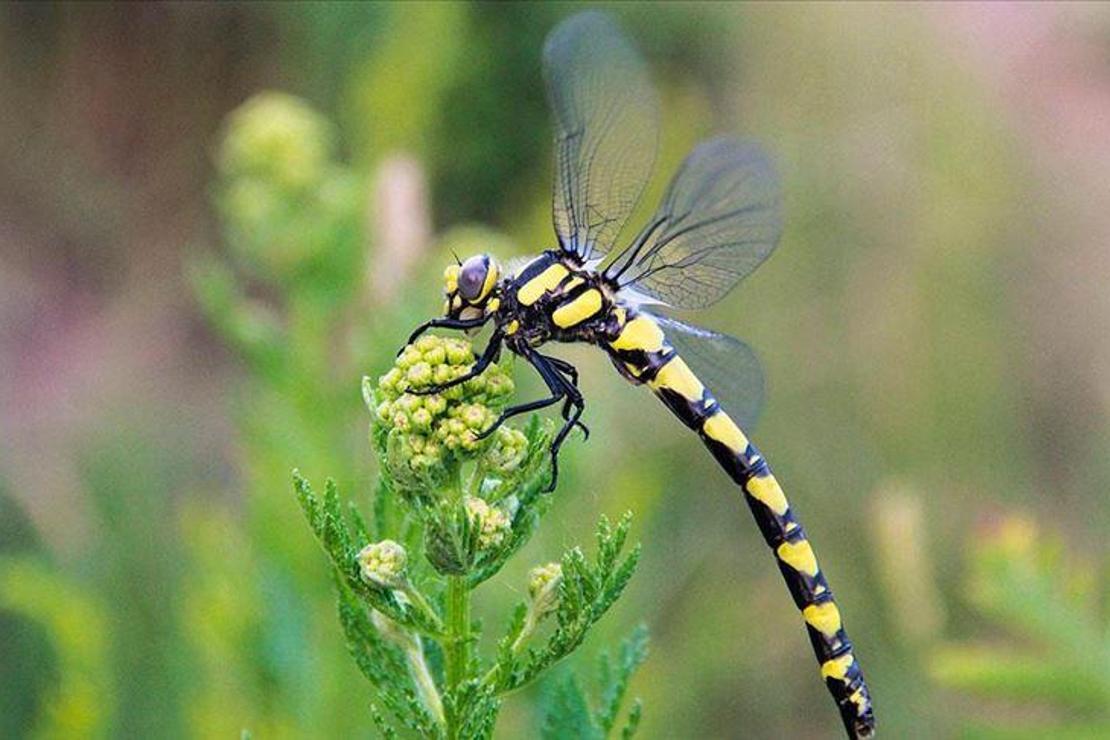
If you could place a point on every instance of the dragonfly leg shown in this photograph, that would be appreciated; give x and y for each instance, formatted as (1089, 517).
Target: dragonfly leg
(572, 412)
(445, 323)
(570, 372)
(510, 412)
(562, 378)
(489, 355)
(565, 389)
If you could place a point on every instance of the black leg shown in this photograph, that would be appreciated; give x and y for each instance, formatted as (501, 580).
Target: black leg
(565, 368)
(551, 378)
(445, 323)
(572, 411)
(571, 373)
(523, 408)
(552, 370)
(488, 356)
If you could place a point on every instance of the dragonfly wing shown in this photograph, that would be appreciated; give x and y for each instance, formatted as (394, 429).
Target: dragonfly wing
(719, 220)
(606, 131)
(726, 366)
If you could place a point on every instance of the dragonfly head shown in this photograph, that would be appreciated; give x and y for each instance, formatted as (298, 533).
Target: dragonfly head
(469, 286)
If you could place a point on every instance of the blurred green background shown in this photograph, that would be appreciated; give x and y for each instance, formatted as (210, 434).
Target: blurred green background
(189, 297)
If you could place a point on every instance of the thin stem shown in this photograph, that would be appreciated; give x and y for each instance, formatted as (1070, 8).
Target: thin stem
(425, 684)
(421, 603)
(526, 630)
(413, 649)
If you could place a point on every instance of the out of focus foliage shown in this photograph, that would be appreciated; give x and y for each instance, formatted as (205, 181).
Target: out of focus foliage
(1047, 661)
(923, 322)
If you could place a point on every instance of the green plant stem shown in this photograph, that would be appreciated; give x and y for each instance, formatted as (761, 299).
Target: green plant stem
(458, 640)
(526, 631)
(421, 603)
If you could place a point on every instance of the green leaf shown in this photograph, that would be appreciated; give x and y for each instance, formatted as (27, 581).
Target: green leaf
(1002, 673)
(633, 722)
(613, 679)
(586, 593)
(567, 714)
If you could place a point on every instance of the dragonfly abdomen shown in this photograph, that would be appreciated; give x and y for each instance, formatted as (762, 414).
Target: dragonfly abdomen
(640, 350)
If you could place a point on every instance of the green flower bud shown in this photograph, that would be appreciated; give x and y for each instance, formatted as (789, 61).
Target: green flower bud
(475, 417)
(436, 404)
(423, 439)
(458, 353)
(435, 356)
(543, 588)
(443, 374)
(492, 523)
(383, 563)
(419, 375)
(509, 448)
(279, 139)
(422, 420)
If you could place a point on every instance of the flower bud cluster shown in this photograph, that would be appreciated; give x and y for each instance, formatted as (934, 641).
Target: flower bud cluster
(492, 522)
(279, 139)
(510, 446)
(285, 199)
(383, 564)
(430, 431)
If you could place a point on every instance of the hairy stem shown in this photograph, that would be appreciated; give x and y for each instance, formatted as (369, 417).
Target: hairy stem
(458, 641)
(425, 684)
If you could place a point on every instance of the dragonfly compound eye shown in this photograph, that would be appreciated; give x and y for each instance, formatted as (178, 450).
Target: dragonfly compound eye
(476, 278)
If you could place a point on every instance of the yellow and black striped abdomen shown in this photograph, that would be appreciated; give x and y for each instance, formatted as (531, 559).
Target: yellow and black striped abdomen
(640, 350)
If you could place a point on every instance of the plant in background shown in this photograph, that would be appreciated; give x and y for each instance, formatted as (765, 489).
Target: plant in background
(1051, 673)
(451, 508)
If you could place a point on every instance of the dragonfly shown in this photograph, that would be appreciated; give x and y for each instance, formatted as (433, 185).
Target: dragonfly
(718, 220)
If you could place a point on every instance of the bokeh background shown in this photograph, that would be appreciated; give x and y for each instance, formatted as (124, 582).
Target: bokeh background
(215, 218)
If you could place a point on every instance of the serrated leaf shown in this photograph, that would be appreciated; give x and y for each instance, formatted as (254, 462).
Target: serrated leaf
(633, 722)
(614, 678)
(567, 714)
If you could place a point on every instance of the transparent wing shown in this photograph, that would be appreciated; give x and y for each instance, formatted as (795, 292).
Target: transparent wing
(606, 130)
(727, 367)
(719, 220)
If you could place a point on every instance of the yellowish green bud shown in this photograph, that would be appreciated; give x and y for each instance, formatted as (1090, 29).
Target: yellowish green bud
(383, 564)
(277, 138)
(458, 353)
(508, 451)
(435, 356)
(419, 375)
(492, 523)
(543, 588)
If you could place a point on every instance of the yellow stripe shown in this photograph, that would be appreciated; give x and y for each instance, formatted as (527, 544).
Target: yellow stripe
(578, 310)
(798, 556)
(547, 280)
(768, 490)
(640, 333)
(837, 667)
(677, 376)
(825, 618)
(492, 273)
(721, 428)
(573, 283)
